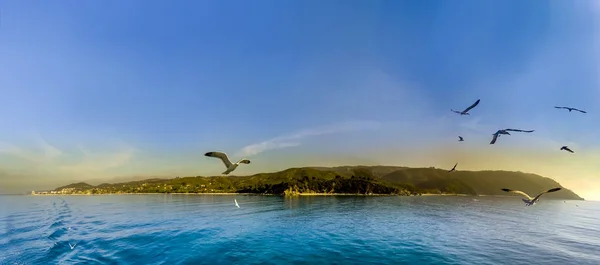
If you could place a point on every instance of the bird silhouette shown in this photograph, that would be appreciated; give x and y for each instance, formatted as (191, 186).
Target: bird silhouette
(570, 109)
(453, 168)
(506, 131)
(566, 148)
(465, 112)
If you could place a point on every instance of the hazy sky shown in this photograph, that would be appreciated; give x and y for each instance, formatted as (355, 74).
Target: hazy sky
(93, 90)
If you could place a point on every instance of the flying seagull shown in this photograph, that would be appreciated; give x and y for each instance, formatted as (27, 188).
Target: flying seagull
(566, 148)
(528, 200)
(72, 246)
(570, 109)
(453, 169)
(460, 139)
(506, 131)
(465, 112)
(236, 204)
(230, 166)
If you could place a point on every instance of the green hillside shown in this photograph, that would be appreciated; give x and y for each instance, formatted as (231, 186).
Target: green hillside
(479, 182)
(344, 179)
(78, 185)
(376, 171)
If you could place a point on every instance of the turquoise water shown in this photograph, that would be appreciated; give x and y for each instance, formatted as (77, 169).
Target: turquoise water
(209, 229)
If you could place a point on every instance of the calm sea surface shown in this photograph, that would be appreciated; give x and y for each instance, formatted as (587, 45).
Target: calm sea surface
(209, 229)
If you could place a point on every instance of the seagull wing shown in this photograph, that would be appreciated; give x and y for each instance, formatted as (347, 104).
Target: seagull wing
(460, 138)
(519, 192)
(569, 149)
(560, 107)
(494, 139)
(221, 156)
(550, 190)
(472, 106)
(244, 161)
(236, 204)
(455, 111)
(582, 111)
(518, 130)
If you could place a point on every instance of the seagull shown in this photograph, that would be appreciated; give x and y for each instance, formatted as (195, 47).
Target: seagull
(566, 148)
(506, 131)
(528, 200)
(454, 168)
(460, 139)
(465, 112)
(570, 109)
(230, 166)
(236, 204)
(72, 246)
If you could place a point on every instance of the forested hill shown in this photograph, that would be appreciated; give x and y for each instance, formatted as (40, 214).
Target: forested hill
(343, 179)
(479, 182)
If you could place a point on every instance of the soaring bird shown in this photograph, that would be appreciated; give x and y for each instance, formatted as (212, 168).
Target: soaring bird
(566, 148)
(528, 200)
(230, 166)
(460, 139)
(570, 109)
(465, 112)
(506, 131)
(453, 168)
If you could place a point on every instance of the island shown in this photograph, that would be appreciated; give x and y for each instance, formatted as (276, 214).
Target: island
(350, 180)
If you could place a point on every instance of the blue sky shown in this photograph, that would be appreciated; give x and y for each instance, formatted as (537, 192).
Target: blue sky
(102, 89)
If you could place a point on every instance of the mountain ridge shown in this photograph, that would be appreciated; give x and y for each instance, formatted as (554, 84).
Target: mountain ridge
(357, 179)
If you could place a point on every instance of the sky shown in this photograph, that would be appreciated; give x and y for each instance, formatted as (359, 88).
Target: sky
(99, 91)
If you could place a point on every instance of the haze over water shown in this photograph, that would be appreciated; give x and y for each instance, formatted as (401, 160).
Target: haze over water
(209, 229)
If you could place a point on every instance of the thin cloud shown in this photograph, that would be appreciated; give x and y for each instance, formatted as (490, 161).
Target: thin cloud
(50, 151)
(48, 158)
(94, 162)
(292, 140)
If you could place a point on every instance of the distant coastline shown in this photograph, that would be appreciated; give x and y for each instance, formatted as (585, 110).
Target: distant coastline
(222, 193)
(334, 181)
(253, 194)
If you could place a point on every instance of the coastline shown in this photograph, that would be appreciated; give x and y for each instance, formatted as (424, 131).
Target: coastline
(261, 194)
(138, 193)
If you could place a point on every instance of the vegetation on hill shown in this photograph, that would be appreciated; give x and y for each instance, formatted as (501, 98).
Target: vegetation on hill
(78, 185)
(478, 182)
(337, 180)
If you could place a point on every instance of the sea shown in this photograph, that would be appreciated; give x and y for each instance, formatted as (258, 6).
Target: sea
(210, 229)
